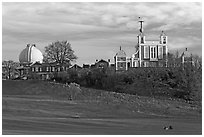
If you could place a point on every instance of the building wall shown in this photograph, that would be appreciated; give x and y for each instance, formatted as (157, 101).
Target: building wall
(101, 64)
(41, 71)
(120, 63)
(151, 55)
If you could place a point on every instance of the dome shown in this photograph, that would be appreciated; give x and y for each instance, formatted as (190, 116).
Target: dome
(30, 55)
(121, 53)
(187, 53)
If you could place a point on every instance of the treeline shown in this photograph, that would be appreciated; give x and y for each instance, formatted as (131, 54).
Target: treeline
(179, 82)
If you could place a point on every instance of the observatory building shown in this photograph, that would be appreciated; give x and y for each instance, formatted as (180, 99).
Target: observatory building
(32, 66)
(147, 53)
(30, 55)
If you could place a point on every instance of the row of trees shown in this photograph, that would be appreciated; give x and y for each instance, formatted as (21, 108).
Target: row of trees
(174, 81)
(165, 82)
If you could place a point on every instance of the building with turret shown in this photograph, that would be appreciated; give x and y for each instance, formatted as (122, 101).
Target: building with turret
(147, 53)
(150, 53)
(120, 59)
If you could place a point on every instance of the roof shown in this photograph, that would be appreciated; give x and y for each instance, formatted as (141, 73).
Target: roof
(102, 61)
(121, 53)
(30, 54)
(86, 65)
(186, 53)
(36, 63)
(76, 66)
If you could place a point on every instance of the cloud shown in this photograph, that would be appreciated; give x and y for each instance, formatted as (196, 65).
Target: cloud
(99, 26)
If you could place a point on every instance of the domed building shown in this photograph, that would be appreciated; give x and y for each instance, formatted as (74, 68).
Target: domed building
(33, 67)
(30, 55)
(121, 60)
(186, 59)
(27, 58)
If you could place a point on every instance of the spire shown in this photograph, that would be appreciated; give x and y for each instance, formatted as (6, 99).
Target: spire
(141, 23)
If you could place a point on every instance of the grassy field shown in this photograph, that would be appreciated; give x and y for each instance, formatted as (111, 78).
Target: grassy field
(40, 107)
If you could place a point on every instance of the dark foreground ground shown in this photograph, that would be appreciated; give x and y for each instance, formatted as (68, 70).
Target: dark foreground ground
(42, 108)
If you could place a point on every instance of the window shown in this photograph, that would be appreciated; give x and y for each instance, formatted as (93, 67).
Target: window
(122, 65)
(164, 50)
(153, 52)
(121, 58)
(40, 69)
(142, 39)
(164, 40)
(160, 52)
(47, 68)
(146, 51)
(53, 69)
(36, 69)
(146, 64)
(101, 65)
(33, 69)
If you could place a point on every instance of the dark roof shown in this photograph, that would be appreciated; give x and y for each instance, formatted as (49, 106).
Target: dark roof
(36, 63)
(76, 66)
(93, 65)
(86, 65)
(102, 60)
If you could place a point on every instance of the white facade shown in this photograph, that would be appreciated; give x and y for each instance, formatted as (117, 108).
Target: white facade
(121, 60)
(150, 53)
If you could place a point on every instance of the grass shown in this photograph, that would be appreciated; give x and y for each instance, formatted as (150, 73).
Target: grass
(116, 101)
(40, 103)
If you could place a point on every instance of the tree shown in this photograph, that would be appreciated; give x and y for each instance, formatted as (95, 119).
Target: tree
(9, 68)
(59, 52)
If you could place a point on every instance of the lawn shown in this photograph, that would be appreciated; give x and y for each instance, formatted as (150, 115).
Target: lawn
(40, 107)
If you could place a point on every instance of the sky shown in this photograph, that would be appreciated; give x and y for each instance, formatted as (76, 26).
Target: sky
(97, 30)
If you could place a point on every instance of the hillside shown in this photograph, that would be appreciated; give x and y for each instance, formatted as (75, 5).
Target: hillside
(36, 101)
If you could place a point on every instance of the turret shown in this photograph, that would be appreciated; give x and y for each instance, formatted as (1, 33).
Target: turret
(141, 36)
(163, 38)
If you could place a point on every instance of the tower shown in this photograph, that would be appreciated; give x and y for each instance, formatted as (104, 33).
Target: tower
(141, 36)
(163, 38)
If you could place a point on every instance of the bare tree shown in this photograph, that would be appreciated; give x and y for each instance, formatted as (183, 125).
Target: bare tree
(59, 52)
(9, 68)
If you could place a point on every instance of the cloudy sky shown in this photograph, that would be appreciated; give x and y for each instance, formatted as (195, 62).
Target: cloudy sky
(97, 30)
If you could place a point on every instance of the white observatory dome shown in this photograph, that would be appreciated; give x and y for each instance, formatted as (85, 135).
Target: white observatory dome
(30, 55)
